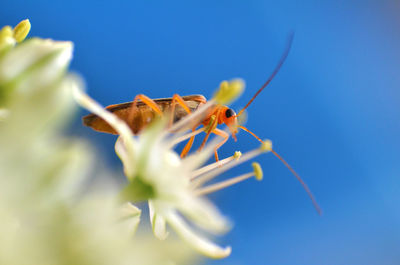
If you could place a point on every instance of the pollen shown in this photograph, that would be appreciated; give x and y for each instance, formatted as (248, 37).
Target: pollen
(21, 30)
(6, 32)
(258, 173)
(237, 155)
(228, 91)
(266, 146)
(211, 125)
(6, 38)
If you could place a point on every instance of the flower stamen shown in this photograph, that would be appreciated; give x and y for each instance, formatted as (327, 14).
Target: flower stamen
(214, 165)
(189, 121)
(186, 136)
(217, 171)
(257, 173)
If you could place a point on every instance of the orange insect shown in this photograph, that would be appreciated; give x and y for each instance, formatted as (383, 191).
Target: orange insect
(143, 110)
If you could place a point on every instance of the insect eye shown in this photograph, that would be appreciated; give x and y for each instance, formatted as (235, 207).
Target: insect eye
(229, 113)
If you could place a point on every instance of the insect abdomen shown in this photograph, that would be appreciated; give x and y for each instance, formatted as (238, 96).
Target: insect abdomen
(142, 115)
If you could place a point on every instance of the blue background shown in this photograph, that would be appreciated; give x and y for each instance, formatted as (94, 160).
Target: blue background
(332, 111)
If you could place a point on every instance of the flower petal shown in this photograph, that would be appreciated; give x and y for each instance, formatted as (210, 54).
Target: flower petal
(4, 113)
(120, 126)
(158, 223)
(201, 244)
(43, 57)
(130, 215)
(204, 214)
(129, 164)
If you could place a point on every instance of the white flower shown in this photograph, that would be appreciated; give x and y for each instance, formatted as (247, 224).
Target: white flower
(45, 218)
(35, 63)
(35, 100)
(173, 186)
(32, 66)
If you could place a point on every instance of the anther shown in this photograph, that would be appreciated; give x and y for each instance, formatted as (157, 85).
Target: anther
(266, 146)
(237, 155)
(6, 38)
(6, 32)
(258, 173)
(21, 30)
(228, 91)
(211, 125)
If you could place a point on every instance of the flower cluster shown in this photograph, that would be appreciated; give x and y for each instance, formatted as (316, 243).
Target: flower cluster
(50, 212)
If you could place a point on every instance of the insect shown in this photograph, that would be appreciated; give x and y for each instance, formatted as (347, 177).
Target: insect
(143, 110)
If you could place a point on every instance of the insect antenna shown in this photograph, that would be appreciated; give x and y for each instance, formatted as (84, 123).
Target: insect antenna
(306, 188)
(281, 61)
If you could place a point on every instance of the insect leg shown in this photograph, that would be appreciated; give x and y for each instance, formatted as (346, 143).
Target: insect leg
(146, 100)
(188, 146)
(222, 134)
(177, 99)
(132, 110)
(149, 102)
(210, 128)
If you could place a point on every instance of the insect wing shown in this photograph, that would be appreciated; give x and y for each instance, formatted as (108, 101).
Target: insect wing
(142, 114)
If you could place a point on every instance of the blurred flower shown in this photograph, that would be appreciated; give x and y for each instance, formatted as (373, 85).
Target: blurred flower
(49, 212)
(173, 186)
